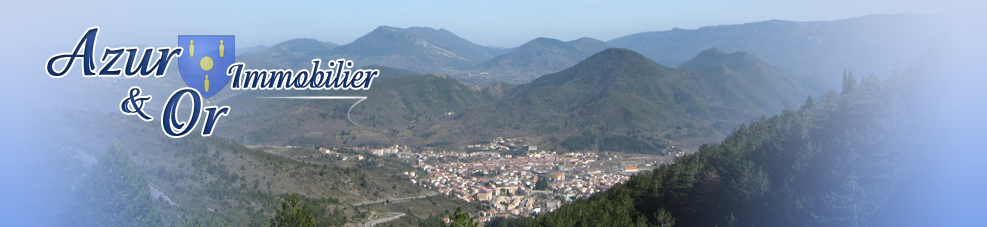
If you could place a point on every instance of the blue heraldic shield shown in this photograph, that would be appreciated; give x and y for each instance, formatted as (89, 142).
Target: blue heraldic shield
(203, 66)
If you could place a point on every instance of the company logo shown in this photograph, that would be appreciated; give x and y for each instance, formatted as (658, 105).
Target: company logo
(209, 66)
(204, 68)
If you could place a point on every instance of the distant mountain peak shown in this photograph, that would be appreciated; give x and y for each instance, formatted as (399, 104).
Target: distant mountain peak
(543, 40)
(538, 57)
(616, 54)
(711, 52)
(427, 29)
(601, 67)
(613, 59)
(387, 28)
(420, 49)
(713, 57)
(585, 39)
(589, 46)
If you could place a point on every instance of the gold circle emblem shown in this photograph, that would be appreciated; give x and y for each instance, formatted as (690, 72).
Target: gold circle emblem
(206, 63)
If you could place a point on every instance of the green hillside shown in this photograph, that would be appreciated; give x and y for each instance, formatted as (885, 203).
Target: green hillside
(211, 178)
(620, 95)
(397, 110)
(830, 163)
(616, 100)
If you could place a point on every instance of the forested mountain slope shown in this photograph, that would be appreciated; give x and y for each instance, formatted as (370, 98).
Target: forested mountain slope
(829, 163)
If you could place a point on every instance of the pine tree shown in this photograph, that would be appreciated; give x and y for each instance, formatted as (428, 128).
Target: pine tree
(116, 193)
(461, 219)
(291, 214)
(849, 83)
(664, 218)
(542, 183)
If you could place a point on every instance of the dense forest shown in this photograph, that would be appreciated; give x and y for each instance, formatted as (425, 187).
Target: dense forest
(829, 163)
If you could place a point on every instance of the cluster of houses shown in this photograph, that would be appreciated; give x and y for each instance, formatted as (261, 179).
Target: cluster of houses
(507, 183)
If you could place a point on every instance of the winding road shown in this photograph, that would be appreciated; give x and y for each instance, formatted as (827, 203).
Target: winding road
(390, 217)
(398, 199)
(394, 215)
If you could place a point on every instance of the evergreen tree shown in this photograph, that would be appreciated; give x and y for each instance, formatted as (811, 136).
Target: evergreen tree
(849, 83)
(292, 214)
(830, 163)
(542, 183)
(461, 219)
(432, 221)
(664, 218)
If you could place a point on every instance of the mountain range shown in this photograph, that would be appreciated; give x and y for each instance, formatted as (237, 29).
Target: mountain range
(416, 49)
(654, 92)
(535, 58)
(685, 102)
(619, 92)
(614, 95)
(868, 44)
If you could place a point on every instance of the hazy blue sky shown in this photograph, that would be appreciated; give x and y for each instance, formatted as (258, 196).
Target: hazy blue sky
(494, 23)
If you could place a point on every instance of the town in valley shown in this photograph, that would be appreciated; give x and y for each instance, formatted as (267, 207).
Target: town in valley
(510, 178)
